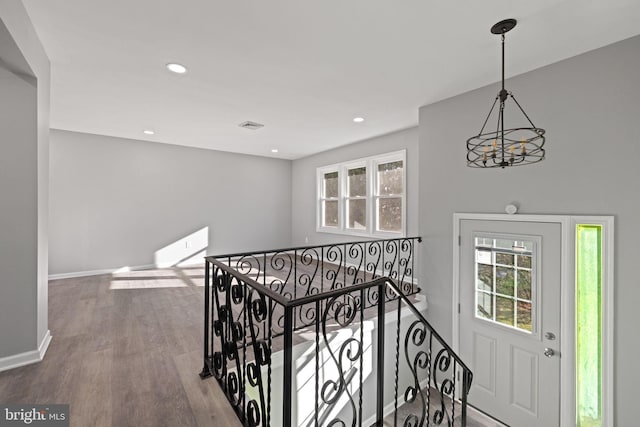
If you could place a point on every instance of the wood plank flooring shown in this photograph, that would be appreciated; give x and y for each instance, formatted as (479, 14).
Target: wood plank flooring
(126, 351)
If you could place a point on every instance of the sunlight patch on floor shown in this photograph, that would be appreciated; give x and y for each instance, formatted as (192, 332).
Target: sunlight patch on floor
(158, 278)
(147, 284)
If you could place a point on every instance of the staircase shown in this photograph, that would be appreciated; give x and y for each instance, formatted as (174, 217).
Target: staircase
(329, 336)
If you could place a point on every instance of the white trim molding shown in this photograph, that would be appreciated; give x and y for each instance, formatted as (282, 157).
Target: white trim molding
(28, 357)
(568, 279)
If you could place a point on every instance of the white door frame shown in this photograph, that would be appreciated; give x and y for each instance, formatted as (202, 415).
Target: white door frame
(567, 304)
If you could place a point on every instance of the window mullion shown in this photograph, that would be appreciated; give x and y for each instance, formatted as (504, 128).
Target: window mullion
(372, 192)
(342, 178)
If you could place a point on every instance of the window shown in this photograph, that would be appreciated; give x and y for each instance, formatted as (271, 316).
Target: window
(329, 199)
(357, 198)
(589, 325)
(389, 196)
(504, 282)
(363, 197)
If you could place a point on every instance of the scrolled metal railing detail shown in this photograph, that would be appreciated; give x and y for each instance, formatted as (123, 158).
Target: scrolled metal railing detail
(356, 260)
(303, 271)
(374, 253)
(344, 312)
(445, 388)
(391, 249)
(255, 299)
(416, 336)
(405, 264)
(372, 297)
(281, 264)
(249, 265)
(257, 309)
(309, 257)
(334, 257)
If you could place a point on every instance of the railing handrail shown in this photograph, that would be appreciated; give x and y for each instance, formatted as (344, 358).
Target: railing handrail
(249, 281)
(328, 245)
(286, 303)
(420, 317)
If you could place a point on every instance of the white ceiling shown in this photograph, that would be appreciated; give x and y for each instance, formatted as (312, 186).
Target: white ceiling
(303, 68)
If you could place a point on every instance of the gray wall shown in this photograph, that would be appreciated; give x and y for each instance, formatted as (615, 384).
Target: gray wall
(24, 131)
(116, 202)
(18, 216)
(303, 182)
(590, 107)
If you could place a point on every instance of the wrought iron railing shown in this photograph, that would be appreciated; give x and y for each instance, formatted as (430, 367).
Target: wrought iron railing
(300, 337)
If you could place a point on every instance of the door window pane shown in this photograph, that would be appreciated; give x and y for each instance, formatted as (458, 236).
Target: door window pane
(502, 258)
(524, 315)
(485, 278)
(524, 261)
(504, 310)
(504, 282)
(524, 284)
(485, 305)
(483, 256)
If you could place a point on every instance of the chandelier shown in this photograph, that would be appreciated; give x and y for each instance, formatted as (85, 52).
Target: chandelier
(505, 147)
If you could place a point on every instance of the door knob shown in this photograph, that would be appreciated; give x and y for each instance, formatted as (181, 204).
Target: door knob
(549, 352)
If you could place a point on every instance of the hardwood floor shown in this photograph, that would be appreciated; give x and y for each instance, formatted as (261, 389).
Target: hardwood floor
(126, 351)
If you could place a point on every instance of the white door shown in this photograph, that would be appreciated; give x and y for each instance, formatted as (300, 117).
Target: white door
(510, 319)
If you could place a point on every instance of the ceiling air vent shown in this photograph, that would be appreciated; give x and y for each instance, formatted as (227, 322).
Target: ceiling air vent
(251, 125)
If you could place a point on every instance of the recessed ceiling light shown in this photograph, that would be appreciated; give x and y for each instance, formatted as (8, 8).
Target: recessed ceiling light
(176, 68)
(358, 119)
(274, 150)
(148, 132)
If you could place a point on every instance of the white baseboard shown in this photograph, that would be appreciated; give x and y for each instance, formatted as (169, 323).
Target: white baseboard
(28, 357)
(98, 272)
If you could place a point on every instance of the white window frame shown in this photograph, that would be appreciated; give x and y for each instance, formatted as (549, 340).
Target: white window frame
(344, 183)
(321, 196)
(371, 164)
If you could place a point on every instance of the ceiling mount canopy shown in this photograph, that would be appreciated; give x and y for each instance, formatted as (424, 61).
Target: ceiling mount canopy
(505, 147)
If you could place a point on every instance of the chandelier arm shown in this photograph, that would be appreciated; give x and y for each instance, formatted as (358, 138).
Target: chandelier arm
(521, 109)
(489, 115)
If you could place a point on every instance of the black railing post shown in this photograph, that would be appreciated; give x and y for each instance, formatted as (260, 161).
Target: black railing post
(465, 390)
(206, 369)
(381, 329)
(288, 367)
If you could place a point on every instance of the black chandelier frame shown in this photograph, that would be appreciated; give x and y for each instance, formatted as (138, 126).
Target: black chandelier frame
(505, 147)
